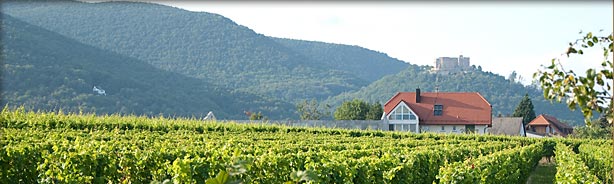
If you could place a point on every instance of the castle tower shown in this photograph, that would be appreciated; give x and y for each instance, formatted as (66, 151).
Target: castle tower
(446, 65)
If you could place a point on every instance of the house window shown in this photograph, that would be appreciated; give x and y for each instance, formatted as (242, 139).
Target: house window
(405, 127)
(443, 128)
(402, 113)
(438, 110)
(454, 127)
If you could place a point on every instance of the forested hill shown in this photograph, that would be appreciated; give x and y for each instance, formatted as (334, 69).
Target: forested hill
(44, 70)
(155, 59)
(501, 93)
(366, 64)
(200, 45)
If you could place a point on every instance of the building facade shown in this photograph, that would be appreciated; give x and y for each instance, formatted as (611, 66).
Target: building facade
(546, 125)
(447, 65)
(440, 112)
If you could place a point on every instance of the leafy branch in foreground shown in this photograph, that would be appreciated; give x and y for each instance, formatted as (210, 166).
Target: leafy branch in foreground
(590, 92)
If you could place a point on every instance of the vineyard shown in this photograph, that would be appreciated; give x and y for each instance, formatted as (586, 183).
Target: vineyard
(39, 147)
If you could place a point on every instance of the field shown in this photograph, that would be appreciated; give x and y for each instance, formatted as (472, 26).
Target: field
(83, 148)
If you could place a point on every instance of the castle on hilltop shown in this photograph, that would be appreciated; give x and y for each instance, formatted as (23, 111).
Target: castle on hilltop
(445, 65)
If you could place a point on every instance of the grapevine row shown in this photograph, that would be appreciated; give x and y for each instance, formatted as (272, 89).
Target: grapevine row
(598, 159)
(570, 168)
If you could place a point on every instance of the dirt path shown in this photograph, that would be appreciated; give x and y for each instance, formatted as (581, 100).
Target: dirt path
(544, 172)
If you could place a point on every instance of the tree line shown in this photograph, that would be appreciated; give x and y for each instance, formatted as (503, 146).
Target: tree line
(349, 110)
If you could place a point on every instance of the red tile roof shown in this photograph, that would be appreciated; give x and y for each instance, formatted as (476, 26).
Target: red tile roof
(458, 108)
(549, 120)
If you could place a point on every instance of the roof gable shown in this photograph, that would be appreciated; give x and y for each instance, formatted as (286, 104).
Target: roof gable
(458, 108)
(543, 119)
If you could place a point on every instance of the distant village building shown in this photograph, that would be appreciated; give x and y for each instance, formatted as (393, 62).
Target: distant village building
(441, 112)
(507, 126)
(210, 116)
(99, 91)
(545, 125)
(446, 65)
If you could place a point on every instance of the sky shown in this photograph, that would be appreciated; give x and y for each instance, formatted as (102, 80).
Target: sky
(501, 37)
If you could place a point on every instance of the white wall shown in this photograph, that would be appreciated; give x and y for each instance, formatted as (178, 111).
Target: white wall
(450, 128)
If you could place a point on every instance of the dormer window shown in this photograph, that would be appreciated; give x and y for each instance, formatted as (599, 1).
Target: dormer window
(438, 110)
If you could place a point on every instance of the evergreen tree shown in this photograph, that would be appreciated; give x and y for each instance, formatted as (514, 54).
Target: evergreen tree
(525, 110)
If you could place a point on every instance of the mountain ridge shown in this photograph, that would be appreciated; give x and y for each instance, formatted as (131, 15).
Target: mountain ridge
(43, 70)
(237, 62)
(195, 44)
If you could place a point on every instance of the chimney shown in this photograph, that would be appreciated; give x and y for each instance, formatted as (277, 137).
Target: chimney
(417, 95)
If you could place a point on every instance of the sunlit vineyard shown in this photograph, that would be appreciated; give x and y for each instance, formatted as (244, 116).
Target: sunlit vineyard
(83, 148)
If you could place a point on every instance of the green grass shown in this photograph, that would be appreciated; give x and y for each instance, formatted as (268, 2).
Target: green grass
(543, 174)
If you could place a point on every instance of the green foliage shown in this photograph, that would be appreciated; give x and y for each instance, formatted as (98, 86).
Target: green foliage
(45, 70)
(68, 148)
(256, 116)
(310, 110)
(375, 111)
(302, 176)
(525, 110)
(502, 94)
(570, 168)
(507, 166)
(210, 47)
(358, 110)
(352, 59)
(590, 92)
(598, 160)
(592, 132)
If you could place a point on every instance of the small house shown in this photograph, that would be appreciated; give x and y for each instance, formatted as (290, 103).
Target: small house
(548, 126)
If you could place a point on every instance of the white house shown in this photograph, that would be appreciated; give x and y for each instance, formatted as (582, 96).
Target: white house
(445, 112)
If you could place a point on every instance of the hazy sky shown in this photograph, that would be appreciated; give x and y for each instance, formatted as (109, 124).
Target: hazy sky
(500, 37)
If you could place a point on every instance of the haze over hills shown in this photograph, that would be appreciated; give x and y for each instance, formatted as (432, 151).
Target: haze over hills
(167, 60)
(47, 71)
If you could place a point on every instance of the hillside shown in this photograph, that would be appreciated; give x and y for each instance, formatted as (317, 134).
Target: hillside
(502, 94)
(44, 70)
(228, 67)
(201, 45)
(364, 63)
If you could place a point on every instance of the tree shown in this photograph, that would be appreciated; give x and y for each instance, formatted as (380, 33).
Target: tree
(256, 116)
(525, 110)
(358, 110)
(591, 93)
(375, 112)
(310, 110)
(598, 129)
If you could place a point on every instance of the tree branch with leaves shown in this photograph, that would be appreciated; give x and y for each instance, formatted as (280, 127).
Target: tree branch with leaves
(592, 92)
